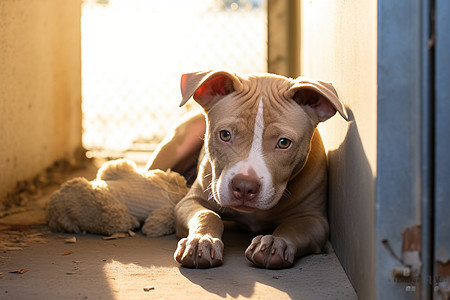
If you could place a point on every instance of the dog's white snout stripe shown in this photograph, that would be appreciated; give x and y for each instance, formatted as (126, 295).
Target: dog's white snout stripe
(258, 131)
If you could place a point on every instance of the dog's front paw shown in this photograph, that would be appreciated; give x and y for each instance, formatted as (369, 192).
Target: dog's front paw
(197, 251)
(271, 252)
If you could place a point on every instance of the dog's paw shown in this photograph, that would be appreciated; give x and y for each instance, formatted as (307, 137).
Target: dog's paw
(271, 252)
(197, 251)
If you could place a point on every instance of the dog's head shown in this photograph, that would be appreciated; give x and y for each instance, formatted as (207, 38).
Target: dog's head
(259, 130)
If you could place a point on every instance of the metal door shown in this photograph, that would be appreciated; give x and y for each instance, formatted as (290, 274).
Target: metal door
(441, 259)
(413, 180)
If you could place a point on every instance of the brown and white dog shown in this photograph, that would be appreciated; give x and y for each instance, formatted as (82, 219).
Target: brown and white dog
(261, 163)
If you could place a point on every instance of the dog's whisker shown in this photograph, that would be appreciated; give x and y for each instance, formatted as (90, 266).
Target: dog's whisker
(287, 193)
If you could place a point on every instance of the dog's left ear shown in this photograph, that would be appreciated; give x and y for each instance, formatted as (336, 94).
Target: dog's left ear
(318, 98)
(208, 87)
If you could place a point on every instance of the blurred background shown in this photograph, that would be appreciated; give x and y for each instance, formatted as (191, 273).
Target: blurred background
(134, 53)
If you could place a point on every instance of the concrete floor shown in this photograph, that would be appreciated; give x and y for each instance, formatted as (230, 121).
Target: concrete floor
(138, 267)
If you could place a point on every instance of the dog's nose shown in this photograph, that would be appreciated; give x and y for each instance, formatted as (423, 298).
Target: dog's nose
(245, 188)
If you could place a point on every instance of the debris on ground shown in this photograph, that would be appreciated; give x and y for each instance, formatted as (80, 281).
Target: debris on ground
(27, 191)
(67, 253)
(21, 271)
(149, 289)
(117, 235)
(15, 237)
(71, 240)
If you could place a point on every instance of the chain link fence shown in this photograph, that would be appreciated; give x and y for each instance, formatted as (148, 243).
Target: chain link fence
(135, 51)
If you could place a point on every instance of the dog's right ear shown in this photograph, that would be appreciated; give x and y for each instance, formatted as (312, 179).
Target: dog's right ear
(318, 98)
(208, 87)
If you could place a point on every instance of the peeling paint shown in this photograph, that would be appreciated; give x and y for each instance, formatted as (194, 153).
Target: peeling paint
(443, 269)
(443, 275)
(411, 247)
(410, 257)
(411, 237)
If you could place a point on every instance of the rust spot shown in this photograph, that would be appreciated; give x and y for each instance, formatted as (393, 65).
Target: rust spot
(411, 239)
(443, 269)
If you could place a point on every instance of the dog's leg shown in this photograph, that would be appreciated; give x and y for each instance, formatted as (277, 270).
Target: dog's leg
(180, 148)
(293, 238)
(200, 230)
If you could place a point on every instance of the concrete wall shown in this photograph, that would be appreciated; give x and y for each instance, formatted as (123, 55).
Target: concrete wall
(339, 43)
(40, 86)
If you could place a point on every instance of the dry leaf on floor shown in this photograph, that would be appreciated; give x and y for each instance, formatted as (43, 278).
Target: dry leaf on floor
(21, 271)
(117, 235)
(6, 248)
(71, 240)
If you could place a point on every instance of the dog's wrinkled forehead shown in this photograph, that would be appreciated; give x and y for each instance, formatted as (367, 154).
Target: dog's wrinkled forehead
(259, 96)
(269, 84)
(265, 86)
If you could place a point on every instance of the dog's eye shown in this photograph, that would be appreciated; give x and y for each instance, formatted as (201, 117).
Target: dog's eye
(225, 135)
(284, 143)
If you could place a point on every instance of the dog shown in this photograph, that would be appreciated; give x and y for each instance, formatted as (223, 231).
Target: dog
(260, 161)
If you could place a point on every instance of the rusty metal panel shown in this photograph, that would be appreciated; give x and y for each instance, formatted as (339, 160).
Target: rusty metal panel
(402, 129)
(442, 158)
